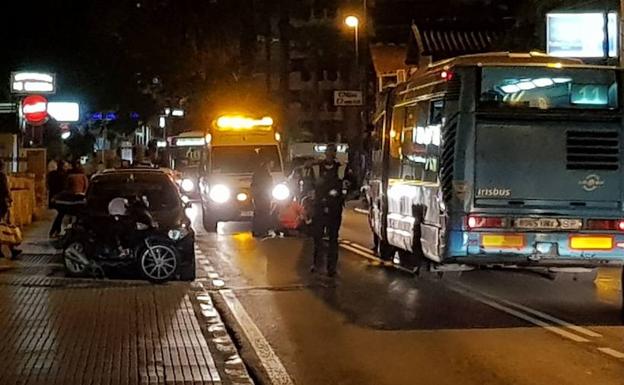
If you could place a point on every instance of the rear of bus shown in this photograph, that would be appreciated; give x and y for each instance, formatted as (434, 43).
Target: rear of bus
(538, 169)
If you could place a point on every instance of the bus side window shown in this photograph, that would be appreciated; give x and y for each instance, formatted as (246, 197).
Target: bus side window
(376, 147)
(432, 166)
(412, 160)
(436, 112)
(396, 132)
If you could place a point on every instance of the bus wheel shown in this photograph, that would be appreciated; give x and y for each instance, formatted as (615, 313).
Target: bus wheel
(385, 251)
(210, 224)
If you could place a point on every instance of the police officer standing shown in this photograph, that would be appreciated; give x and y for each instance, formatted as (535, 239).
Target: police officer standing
(328, 204)
(261, 184)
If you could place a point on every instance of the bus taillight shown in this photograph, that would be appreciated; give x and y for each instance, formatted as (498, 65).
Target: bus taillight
(605, 224)
(475, 222)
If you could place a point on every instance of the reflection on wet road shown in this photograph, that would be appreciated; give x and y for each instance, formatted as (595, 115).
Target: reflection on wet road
(376, 325)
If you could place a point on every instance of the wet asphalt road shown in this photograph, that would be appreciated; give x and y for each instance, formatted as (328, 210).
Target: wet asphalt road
(378, 325)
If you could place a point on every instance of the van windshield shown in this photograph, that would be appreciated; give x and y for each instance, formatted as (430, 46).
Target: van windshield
(548, 88)
(242, 159)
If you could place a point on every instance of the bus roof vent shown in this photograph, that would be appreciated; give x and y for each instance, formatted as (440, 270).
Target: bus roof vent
(593, 150)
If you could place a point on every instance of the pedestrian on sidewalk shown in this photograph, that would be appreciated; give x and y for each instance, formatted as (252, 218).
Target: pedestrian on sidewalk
(56, 180)
(75, 188)
(5, 205)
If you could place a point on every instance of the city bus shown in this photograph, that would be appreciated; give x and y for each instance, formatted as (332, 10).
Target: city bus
(234, 143)
(500, 159)
(187, 153)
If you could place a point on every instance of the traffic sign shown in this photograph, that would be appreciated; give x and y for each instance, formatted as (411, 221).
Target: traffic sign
(35, 109)
(33, 82)
(348, 98)
(8, 108)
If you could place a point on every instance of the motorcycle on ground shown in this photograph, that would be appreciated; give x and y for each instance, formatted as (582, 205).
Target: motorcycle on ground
(127, 237)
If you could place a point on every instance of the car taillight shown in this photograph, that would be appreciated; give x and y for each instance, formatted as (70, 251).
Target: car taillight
(474, 222)
(605, 224)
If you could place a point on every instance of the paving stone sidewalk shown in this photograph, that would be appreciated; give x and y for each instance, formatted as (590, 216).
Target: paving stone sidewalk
(58, 330)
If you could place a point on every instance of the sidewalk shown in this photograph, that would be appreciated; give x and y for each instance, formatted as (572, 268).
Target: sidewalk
(58, 330)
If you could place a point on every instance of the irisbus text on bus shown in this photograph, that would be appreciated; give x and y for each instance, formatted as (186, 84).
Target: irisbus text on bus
(500, 159)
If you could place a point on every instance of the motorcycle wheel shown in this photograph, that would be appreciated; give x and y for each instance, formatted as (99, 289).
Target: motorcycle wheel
(158, 263)
(73, 267)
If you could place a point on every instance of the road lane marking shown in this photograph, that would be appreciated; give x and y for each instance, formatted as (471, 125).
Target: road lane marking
(498, 303)
(612, 352)
(516, 313)
(271, 363)
(545, 316)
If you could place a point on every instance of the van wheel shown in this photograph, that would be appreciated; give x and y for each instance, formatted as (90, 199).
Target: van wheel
(210, 224)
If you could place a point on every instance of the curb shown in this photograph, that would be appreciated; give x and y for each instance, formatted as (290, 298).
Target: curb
(226, 354)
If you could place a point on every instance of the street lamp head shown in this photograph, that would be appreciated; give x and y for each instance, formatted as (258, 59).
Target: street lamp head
(352, 21)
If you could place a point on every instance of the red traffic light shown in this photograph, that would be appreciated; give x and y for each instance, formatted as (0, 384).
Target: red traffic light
(35, 109)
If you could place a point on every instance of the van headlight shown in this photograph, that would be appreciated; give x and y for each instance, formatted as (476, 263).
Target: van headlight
(220, 193)
(187, 184)
(281, 192)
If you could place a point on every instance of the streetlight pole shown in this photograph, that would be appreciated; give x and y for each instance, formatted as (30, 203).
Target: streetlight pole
(357, 45)
(354, 22)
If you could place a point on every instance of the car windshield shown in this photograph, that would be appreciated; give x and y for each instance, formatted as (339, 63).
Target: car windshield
(160, 192)
(242, 159)
(548, 88)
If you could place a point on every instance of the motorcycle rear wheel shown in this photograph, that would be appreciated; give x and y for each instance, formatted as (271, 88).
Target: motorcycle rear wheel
(158, 263)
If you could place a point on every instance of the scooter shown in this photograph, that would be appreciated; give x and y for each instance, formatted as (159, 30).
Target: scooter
(92, 248)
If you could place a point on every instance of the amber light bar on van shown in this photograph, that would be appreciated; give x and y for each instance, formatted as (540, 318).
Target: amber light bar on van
(605, 224)
(474, 222)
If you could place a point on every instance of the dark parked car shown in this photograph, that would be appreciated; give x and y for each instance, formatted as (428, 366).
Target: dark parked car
(157, 188)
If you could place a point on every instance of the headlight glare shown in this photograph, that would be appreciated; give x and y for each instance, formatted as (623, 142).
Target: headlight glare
(220, 193)
(281, 192)
(187, 184)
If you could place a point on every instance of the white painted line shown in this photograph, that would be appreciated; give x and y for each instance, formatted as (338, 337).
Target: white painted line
(581, 330)
(612, 352)
(553, 329)
(363, 248)
(271, 363)
(545, 316)
(360, 211)
(360, 252)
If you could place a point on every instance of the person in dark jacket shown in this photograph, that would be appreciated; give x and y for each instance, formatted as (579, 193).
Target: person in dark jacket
(261, 184)
(328, 204)
(75, 186)
(5, 204)
(56, 181)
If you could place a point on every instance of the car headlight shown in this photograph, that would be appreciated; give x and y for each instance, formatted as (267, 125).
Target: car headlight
(187, 184)
(177, 234)
(281, 192)
(220, 193)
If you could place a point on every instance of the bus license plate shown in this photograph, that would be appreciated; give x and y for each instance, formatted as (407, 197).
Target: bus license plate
(548, 224)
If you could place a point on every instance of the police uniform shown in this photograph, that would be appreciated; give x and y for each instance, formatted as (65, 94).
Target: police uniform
(328, 204)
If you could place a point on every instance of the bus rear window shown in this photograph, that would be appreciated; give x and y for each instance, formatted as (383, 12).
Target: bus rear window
(548, 88)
